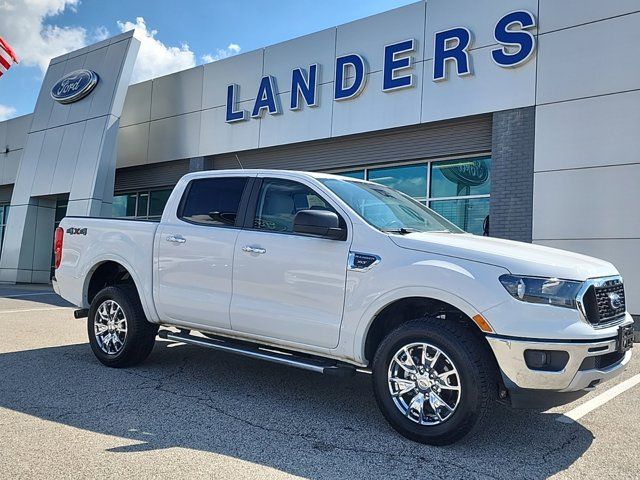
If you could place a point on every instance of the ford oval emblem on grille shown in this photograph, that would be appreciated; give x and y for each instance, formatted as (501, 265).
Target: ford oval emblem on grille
(615, 301)
(74, 86)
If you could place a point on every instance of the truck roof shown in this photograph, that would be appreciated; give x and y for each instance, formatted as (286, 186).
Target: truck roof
(257, 171)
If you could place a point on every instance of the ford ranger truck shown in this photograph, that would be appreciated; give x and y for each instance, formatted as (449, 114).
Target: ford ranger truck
(332, 274)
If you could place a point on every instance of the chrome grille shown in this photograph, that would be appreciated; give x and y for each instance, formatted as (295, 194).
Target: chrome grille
(605, 309)
(602, 300)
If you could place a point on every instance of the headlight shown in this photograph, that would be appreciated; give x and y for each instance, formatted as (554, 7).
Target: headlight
(548, 291)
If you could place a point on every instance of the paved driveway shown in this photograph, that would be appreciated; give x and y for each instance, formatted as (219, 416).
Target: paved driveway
(191, 412)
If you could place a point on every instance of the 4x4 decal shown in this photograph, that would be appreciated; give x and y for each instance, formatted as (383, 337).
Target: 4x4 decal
(76, 231)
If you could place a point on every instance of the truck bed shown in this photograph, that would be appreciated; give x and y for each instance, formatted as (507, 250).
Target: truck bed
(88, 240)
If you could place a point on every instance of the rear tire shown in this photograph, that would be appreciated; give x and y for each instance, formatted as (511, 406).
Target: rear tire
(119, 333)
(463, 377)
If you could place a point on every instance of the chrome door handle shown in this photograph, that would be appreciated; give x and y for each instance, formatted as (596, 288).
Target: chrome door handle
(249, 249)
(176, 239)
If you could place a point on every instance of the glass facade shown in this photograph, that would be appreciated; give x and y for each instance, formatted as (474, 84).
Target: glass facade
(408, 179)
(147, 204)
(459, 189)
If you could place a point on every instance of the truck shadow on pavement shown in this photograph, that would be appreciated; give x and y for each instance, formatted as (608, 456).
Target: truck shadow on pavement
(294, 421)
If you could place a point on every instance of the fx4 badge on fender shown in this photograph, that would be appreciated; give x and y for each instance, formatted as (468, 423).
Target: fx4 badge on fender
(76, 231)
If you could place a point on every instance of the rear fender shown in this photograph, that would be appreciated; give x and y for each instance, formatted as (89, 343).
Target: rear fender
(144, 291)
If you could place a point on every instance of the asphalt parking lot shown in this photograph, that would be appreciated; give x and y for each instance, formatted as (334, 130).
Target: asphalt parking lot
(192, 412)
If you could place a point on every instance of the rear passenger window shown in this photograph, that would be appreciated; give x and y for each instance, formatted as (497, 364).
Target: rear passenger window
(213, 201)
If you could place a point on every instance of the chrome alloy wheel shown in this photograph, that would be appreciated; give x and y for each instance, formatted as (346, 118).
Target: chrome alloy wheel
(424, 383)
(110, 327)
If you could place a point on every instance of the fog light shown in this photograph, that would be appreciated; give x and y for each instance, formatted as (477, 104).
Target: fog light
(546, 360)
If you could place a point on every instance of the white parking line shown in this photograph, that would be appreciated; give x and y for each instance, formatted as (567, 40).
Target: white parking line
(579, 412)
(33, 310)
(18, 295)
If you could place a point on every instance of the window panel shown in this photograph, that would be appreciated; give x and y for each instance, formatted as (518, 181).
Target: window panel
(124, 205)
(359, 174)
(157, 200)
(143, 205)
(280, 200)
(213, 201)
(455, 178)
(468, 214)
(409, 179)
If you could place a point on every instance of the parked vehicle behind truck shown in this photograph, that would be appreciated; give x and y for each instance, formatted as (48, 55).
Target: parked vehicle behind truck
(331, 274)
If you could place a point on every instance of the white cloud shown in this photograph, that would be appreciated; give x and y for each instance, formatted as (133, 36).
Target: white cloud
(232, 49)
(6, 112)
(155, 58)
(101, 33)
(22, 26)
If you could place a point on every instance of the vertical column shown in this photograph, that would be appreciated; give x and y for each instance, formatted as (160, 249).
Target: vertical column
(512, 146)
(28, 260)
(199, 164)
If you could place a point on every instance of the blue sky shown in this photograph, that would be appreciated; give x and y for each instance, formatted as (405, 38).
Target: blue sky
(187, 32)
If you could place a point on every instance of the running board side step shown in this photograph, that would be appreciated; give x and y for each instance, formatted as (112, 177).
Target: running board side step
(261, 353)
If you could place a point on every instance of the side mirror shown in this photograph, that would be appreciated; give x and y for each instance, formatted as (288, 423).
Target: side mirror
(320, 223)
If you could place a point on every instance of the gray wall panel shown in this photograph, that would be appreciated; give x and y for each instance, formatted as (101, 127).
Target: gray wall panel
(174, 137)
(555, 15)
(462, 136)
(137, 105)
(10, 168)
(177, 94)
(567, 60)
(604, 131)
(133, 144)
(17, 129)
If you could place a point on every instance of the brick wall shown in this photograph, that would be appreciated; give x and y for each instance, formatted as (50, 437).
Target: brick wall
(512, 146)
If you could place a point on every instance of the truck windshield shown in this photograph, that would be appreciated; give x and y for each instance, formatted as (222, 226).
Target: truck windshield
(387, 209)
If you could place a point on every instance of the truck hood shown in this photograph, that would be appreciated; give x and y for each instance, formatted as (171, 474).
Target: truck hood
(517, 257)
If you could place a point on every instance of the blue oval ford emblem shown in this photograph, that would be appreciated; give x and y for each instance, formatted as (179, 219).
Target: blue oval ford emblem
(74, 86)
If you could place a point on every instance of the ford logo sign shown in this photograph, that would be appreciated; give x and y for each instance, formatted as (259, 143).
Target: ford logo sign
(74, 86)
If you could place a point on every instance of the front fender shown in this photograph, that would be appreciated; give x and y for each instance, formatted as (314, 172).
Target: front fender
(370, 314)
(471, 287)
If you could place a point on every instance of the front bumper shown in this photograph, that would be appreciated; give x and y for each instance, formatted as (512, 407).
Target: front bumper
(581, 372)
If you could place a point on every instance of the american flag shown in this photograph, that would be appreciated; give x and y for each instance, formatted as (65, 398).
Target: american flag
(7, 56)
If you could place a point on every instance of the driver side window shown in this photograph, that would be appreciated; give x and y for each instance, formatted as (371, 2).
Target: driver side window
(279, 201)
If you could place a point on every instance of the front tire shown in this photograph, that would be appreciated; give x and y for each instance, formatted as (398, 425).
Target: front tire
(119, 333)
(433, 380)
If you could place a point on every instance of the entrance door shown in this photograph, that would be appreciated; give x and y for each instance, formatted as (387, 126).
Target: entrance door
(195, 254)
(288, 286)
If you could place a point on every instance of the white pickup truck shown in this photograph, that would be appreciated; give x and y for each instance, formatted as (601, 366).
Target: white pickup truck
(332, 274)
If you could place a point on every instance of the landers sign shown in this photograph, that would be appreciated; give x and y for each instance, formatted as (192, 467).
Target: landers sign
(512, 33)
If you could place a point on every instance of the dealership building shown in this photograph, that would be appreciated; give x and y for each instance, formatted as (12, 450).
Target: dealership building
(514, 119)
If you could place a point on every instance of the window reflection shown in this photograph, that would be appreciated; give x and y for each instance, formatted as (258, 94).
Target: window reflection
(408, 179)
(468, 214)
(457, 178)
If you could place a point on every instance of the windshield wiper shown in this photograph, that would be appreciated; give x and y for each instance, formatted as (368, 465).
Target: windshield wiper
(401, 231)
